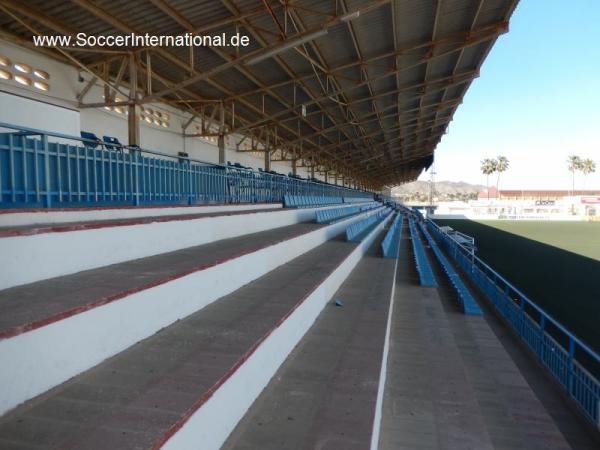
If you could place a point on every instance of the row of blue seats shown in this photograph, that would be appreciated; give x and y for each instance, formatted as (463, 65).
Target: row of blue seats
(302, 201)
(333, 214)
(330, 215)
(467, 301)
(356, 231)
(357, 199)
(422, 263)
(391, 243)
(370, 205)
(91, 141)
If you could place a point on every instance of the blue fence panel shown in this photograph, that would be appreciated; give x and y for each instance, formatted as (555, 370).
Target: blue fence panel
(37, 173)
(422, 263)
(570, 361)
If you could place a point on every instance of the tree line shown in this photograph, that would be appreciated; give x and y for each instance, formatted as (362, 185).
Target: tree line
(489, 166)
(577, 164)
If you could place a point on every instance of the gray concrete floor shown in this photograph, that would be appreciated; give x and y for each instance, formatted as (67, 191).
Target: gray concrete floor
(451, 383)
(36, 301)
(323, 396)
(128, 401)
(574, 428)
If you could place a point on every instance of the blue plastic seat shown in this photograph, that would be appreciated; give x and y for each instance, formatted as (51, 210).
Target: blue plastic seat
(112, 143)
(91, 141)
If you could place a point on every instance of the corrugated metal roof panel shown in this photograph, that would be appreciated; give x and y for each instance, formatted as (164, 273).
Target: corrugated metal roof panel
(349, 77)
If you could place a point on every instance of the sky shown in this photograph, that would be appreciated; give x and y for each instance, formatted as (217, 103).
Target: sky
(536, 101)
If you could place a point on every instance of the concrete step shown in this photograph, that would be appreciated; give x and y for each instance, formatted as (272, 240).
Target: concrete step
(191, 382)
(54, 329)
(33, 253)
(325, 394)
(54, 216)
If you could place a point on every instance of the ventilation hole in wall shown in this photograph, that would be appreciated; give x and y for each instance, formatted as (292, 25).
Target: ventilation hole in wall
(23, 68)
(41, 85)
(41, 74)
(22, 79)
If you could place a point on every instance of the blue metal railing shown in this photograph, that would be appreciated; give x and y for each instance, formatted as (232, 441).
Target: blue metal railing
(391, 243)
(573, 364)
(40, 168)
(422, 263)
(467, 301)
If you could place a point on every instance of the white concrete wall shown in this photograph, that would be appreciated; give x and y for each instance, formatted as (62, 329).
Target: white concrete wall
(37, 360)
(18, 110)
(30, 258)
(16, 218)
(31, 111)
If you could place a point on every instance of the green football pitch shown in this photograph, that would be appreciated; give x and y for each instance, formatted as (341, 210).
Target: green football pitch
(556, 264)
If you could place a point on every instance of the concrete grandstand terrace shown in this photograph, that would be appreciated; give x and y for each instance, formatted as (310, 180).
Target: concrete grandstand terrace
(76, 311)
(38, 228)
(269, 303)
(450, 379)
(30, 217)
(163, 294)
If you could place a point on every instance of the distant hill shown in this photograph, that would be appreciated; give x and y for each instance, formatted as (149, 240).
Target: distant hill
(444, 191)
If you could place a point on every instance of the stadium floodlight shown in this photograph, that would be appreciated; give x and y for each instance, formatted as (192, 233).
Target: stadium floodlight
(286, 46)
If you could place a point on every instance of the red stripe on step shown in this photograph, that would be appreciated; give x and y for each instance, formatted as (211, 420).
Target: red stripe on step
(231, 371)
(104, 208)
(20, 329)
(127, 222)
(209, 393)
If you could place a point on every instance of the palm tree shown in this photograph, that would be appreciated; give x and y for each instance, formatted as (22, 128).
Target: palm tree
(488, 167)
(587, 166)
(501, 166)
(574, 163)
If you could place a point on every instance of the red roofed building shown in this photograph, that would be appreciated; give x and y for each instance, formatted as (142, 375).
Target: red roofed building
(483, 195)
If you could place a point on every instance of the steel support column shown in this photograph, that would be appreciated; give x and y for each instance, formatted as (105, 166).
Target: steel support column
(133, 118)
(222, 150)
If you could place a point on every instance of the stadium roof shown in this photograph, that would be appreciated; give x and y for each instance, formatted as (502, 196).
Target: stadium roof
(363, 88)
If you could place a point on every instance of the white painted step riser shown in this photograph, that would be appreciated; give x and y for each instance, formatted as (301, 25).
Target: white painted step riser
(38, 360)
(215, 420)
(23, 218)
(26, 259)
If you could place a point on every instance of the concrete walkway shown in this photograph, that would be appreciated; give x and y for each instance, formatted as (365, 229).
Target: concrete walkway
(450, 383)
(323, 397)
